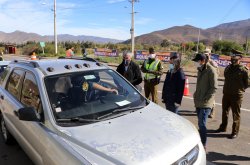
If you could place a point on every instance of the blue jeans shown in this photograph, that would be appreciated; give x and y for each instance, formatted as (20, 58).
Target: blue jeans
(202, 114)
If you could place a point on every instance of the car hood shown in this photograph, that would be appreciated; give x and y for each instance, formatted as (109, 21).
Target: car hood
(151, 135)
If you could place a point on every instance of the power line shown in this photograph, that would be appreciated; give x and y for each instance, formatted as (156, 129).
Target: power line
(236, 3)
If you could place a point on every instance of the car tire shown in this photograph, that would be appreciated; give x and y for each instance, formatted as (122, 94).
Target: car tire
(7, 137)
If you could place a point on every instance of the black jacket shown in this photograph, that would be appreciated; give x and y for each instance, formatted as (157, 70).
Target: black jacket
(174, 87)
(133, 73)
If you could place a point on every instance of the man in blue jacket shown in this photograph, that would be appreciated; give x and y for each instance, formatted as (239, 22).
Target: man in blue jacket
(173, 85)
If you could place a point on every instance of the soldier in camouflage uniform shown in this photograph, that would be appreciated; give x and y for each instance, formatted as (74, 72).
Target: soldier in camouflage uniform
(236, 82)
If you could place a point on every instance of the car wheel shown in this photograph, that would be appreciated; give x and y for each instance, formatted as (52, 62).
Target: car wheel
(7, 137)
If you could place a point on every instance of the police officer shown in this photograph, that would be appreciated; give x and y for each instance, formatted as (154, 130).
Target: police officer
(236, 82)
(153, 70)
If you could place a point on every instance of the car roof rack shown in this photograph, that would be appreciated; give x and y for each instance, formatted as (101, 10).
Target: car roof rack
(79, 58)
(33, 64)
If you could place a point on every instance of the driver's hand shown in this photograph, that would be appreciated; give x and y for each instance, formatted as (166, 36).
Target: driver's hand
(114, 91)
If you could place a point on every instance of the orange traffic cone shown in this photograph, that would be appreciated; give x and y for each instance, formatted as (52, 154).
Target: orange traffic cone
(33, 56)
(186, 89)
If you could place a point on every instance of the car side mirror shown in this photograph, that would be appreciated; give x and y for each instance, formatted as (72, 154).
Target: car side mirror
(28, 114)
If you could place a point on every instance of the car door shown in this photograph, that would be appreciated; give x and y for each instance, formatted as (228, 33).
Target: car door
(10, 100)
(33, 132)
(23, 92)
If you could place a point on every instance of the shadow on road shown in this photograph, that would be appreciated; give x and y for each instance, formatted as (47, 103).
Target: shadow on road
(216, 135)
(192, 83)
(214, 156)
(186, 113)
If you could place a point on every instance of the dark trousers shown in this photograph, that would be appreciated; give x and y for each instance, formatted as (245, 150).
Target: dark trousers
(233, 102)
(150, 87)
(171, 107)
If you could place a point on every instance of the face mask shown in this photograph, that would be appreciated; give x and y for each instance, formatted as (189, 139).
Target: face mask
(197, 64)
(171, 66)
(126, 62)
(152, 56)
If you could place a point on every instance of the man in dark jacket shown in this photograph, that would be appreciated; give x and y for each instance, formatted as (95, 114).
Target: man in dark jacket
(130, 70)
(236, 82)
(174, 84)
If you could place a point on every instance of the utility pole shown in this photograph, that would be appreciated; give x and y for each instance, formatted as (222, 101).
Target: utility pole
(220, 35)
(55, 35)
(246, 45)
(197, 48)
(132, 31)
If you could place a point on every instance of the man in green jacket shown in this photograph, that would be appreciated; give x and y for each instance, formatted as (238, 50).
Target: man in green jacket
(204, 94)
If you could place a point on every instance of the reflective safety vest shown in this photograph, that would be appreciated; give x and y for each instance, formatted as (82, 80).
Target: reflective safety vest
(152, 67)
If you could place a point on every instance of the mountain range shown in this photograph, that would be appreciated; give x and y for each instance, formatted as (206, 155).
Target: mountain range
(233, 31)
(19, 37)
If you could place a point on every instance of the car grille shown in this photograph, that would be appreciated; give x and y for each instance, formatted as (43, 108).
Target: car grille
(189, 158)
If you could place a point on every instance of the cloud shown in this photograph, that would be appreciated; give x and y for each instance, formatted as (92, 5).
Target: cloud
(115, 1)
(189, 20)
(114, 33)
(33, 17)
(3, 1)
(143, 21)
(140, 21)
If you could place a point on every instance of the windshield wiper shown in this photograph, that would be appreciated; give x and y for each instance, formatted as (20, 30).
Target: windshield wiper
(118, 110)
(77, 119)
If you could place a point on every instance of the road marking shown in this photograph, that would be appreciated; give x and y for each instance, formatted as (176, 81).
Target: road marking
(191, 98)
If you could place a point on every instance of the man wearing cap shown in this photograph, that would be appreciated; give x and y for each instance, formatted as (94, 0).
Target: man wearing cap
(174, 84)
(207, 52)
(236, 82)
(153, 70)
(206, 87)
(130, 70)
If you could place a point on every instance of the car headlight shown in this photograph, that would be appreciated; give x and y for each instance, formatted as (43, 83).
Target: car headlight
(189, 158)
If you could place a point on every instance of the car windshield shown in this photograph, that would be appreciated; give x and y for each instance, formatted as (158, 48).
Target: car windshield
(91, 95)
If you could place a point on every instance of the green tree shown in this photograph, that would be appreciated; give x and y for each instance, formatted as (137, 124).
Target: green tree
(190, 46)
(225, 47)
(165, 43)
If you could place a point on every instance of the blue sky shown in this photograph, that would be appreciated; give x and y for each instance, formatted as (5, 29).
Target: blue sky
(112, 18)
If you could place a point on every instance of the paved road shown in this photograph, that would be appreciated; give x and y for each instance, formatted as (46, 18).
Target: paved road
(220, 149)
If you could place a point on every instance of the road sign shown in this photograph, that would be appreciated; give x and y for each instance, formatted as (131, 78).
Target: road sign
(42, 44)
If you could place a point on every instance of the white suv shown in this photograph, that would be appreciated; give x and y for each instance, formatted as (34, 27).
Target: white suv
(69, 111)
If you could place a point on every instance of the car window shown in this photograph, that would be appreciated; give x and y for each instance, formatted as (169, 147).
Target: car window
(3, 74)
(30, 94)
(75, 95)
(15, 82)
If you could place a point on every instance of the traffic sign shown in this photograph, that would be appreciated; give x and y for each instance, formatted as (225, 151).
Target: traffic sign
(42, 44)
